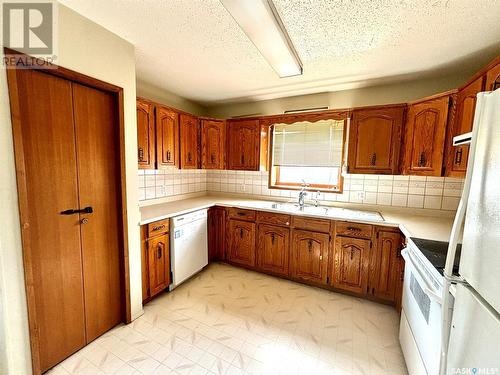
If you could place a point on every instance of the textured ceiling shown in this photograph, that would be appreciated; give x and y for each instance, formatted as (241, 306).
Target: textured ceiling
(195, 49)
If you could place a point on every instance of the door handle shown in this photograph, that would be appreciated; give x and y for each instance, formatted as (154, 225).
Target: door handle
(272, 239)
(141, 154)
(168, 155)
(309, 245)
(242, 159)
(458, 156)
(189, 157)
(373, 159)
(421, 160)
(86, 210)
(159, 251)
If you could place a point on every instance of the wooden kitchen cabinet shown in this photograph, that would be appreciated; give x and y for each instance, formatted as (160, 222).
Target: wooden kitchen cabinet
(189, 129)
(155, 248)
(456, 163)
(493, 75)
(350, 267)
(425, 136)
(216, 233)
(309, 260)
(375, 140)
(145, 134)
(385, 264)
(213, 138)
(167, 137)
(273, 249)
(241, 242)
(243, 145)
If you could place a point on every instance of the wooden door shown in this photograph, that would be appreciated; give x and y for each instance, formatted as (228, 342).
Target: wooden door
(145, 134)
(457, 156)
(216, 233)
(167, 137)
(98, 155)
(384, 265)
(189, 126)
(241, 241)
(47, 181)
(493, 76)
(273, 249)
(350, 268)
(375, 140)
(310, 256)
(158, 263)
(213, 138)
(425, 136)
(243, 143)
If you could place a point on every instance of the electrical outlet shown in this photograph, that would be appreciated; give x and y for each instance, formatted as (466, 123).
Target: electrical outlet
(361, 195)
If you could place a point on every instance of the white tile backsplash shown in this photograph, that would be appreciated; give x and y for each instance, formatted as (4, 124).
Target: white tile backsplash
(163, 183)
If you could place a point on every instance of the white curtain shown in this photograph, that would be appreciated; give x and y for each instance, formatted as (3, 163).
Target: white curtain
(308, 144)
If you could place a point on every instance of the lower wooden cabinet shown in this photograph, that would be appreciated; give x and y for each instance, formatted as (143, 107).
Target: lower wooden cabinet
(310, 256)
(385, 261)
(350, 267)
(273, 249)
(216, 233)
(241, 242)
(155, 247)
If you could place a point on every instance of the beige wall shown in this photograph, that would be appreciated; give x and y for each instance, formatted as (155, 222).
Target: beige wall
(384, 94)
(162, 96)
(87, 48)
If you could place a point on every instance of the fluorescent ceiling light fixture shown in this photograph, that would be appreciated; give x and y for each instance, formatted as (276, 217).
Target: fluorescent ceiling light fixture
(260, 21)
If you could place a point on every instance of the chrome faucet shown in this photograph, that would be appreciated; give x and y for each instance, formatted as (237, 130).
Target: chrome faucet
(302, 195)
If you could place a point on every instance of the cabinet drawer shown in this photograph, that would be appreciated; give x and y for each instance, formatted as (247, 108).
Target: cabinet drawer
(240, 214)
(309, 223)
(158, 227)
(272, 218)
(353, 229)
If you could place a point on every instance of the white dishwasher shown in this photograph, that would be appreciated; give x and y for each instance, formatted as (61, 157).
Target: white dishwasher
(189, 245)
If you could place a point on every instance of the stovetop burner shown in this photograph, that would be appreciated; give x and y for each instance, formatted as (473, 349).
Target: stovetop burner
(435, 252)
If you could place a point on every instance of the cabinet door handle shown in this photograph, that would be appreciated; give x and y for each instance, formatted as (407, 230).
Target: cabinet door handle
(160, 250)
(352, 254)
(243, 159)
(309, 245)
(168, 155)
(140, 154)
(458, 156)
(189, 156)
(421, 160)
(212, 158)
(272, 239)
(373, 159)
(241, 232)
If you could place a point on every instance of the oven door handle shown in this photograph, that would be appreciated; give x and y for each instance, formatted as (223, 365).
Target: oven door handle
(427, 288)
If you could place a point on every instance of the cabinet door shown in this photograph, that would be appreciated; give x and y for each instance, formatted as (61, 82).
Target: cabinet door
(213, 137)
(425, 136)
(145, 134)
(464, 116)
(159, 264)
(350, 269)
(216, 233)
(273, 249)
(241, 239)
(385, 265)
(243, 142)
(189, 141)
(493, 77)
(309, 256)
(167, 137)
(375, 139)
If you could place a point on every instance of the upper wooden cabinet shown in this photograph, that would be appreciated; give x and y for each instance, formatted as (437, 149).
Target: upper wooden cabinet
(189, 129)
(350, 267)
(375, 140)
(273, 249)
(425, 136)
(465, 106)
(310, 256)
(213, 138)
(243, 145)
(384, 264)
(167, 137)
(493, 76)
(145, 134)
(241, 242)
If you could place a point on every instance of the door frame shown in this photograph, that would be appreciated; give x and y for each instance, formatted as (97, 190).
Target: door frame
(19, 157)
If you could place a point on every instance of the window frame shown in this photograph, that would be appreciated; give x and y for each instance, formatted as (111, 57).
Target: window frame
(310, 117)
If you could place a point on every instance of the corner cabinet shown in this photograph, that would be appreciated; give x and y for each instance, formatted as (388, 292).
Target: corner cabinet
(155, 248)
(145, 134)
(425, 136)
(310, 256)
(213, 137)
(189, 129)
(243, 145)
(375, 140)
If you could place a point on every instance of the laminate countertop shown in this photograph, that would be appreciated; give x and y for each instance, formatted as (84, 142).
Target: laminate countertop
(412, 222)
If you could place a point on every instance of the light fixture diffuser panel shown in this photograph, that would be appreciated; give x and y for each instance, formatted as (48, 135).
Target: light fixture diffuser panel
(261, 23)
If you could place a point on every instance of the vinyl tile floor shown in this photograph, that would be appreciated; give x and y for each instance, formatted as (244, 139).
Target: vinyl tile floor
(227, 320)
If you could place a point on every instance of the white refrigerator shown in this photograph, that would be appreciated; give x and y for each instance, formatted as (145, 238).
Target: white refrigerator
(471, 341)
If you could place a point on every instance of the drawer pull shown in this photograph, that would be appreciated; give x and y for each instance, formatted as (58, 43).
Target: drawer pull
(354, 229)
(158, 227)
(241, 214)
